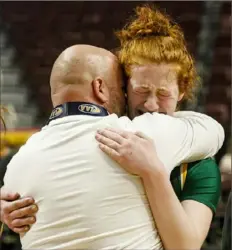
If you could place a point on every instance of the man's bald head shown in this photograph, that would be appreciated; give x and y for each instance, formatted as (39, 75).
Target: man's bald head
(80, 64)
(85, 73)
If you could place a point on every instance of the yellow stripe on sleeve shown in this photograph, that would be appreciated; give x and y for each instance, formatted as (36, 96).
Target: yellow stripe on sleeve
(183, 174)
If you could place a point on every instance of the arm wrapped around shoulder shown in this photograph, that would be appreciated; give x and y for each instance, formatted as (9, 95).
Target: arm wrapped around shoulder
(186, 137)
(208, 134)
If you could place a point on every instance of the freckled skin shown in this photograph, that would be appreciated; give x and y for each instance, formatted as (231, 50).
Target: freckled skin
(152, 88)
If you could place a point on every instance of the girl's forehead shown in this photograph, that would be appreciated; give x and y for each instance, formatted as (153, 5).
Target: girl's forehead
(154, 69)
(162, 74)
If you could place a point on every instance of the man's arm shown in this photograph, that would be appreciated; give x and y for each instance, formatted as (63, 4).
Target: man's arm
(192, 137)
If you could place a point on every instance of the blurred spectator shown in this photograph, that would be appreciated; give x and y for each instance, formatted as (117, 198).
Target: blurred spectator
(7, 152)
(220, 112)
(225, 164)
(9, 239)
(226, 174)
(215, 234)
(226, 236)
(9, 117)
(8, 120)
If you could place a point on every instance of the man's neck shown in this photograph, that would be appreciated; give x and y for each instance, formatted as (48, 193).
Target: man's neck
(59, 100)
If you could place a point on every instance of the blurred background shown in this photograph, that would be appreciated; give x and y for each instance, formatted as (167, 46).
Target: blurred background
(33, 34)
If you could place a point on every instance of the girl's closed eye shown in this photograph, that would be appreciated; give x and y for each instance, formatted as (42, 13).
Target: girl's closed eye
(142, 90)
(163, 93)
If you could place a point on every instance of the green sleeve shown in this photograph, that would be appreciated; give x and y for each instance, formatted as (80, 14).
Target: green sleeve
(203, 183)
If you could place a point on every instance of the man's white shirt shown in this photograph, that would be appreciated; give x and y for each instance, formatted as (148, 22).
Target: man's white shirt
(86, 200)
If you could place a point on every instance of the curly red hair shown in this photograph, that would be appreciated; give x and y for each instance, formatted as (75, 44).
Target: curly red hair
(153, 37)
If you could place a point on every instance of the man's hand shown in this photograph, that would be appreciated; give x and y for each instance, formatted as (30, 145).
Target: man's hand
(135, 152)
(17, 213)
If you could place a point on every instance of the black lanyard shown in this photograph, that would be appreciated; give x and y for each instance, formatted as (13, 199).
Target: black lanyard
(77, 108)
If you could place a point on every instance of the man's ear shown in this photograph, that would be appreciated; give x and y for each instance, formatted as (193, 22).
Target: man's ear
(100, 89)
(181, 95)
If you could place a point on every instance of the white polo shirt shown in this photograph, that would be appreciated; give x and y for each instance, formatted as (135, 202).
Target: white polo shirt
(86, 200)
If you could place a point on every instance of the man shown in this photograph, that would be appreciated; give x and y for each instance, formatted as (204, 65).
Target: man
(85, 200)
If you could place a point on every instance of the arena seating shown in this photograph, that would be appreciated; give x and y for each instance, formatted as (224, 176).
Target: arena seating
(41, 30)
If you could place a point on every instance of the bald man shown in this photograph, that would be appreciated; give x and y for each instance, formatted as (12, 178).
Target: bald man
(86, 201)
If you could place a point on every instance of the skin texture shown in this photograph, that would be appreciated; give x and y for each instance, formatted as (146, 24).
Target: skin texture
(13, 210)
(88, 73)
(118, 145)
(153, 88)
